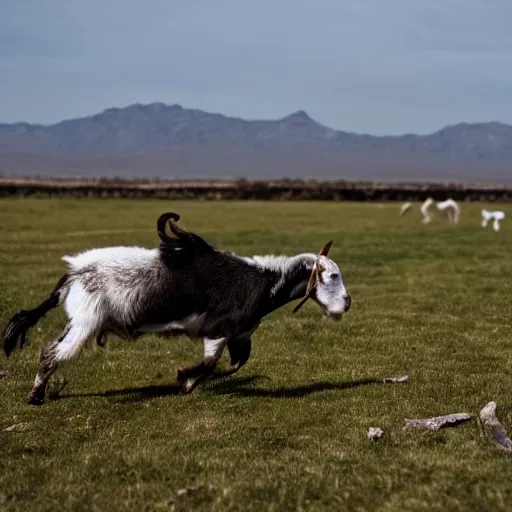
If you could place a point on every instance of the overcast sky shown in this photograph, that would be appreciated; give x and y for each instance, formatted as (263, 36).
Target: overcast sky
(374, 66)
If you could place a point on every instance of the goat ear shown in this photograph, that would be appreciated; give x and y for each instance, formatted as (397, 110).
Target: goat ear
(325, 250)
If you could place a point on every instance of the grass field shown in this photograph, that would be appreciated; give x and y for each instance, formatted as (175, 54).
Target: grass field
(288, 432)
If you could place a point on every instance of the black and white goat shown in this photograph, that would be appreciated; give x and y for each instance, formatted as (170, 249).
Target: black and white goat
(183, 286)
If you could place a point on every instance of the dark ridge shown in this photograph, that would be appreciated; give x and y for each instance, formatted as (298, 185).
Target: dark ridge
(159, 140)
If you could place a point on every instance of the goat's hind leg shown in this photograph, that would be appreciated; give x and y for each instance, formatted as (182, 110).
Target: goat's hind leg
(66, 346)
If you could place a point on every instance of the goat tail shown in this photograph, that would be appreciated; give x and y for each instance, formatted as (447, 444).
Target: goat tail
(15, 334)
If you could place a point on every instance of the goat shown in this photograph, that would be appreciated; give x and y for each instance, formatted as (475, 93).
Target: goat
(184, 286)
(452, 208)
(495, 215)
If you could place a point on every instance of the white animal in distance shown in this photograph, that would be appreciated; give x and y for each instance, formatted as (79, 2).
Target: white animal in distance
(452, 208)
(496, 216)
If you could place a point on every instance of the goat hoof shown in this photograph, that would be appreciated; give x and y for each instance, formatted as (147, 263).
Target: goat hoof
(35, 398)
(182, 375)
(188, 385)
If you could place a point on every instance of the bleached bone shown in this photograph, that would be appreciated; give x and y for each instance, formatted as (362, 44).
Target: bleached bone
(436, 422)
(17, 427)
(404, 378)
(186, 491)
(375, 433)
(489, 419)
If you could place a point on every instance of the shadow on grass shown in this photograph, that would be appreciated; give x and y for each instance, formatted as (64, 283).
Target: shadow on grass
(233, 387)
(141, 393)
(148, 392)
(240, 386)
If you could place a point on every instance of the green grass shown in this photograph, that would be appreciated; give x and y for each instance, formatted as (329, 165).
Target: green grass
(288, 432)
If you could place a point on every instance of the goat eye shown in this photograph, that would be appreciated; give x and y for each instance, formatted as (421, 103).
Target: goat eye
(334, 276)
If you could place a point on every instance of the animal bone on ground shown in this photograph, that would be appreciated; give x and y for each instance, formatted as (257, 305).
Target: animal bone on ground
(489, 419)
(404, 378)
(375, 433)
(436, 422)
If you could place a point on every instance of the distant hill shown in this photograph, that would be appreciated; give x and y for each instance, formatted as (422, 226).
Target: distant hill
(159, 140)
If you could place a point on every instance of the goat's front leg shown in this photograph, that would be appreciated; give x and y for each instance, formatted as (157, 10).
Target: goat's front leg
(239, 351)
(192, 376)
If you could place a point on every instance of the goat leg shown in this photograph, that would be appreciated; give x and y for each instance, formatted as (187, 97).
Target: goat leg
(190, 372)
(47, 365)
(191, 377)
(239, 351)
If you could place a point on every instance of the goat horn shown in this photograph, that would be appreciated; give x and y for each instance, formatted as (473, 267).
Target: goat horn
(313, 278)
(162, 223)
(326, 248)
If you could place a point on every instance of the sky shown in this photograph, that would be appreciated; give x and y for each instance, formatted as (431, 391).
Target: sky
(367, 66)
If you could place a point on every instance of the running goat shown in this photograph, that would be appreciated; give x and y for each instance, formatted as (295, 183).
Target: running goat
(185, 286)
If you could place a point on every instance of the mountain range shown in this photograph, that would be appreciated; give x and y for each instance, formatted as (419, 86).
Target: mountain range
(169, 141)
